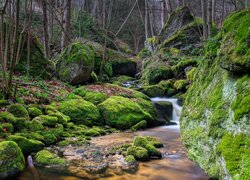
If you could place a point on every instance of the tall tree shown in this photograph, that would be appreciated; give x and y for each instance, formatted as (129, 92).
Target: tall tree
(66, 33)
(45, 30)
(204, 18)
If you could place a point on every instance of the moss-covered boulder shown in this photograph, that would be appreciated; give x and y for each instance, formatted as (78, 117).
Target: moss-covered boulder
(12, 160)
(47, 120)
(153, 90)
(19, 111)
(27, 145)
(35, 125)
(34, 111)
(76, 63)
(235, 47)
(215, 120)
(178, 19)
(7, 117)
(138, 153)
(145, 143)
(123, 113)
(81, 112)
(46, 158)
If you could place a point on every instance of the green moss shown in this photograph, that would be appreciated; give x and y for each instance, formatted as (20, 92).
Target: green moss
(139, 153)
(47, 120)
(180, 67)
(45, 158)
(34, 111)
(35, 125)
(49, 138)
(7, 117)
(81, 112)
(154, 141)
(95, 97)
(235, 51)
(63, 143)
(140, 125)
(36, 136)
(181, 84)
(20, 123)
(143, 142)
(4, 103)
(92, 133)
(12, 159)
(18, 111)
(27, 145)
(93, 77)
(7, 127)
(153, 90)
(233, 149)
(144, 53)
(122, 113)
(130, 159)
(191, 73)
(62, 119)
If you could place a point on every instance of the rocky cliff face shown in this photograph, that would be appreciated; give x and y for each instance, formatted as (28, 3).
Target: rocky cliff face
(215, 122)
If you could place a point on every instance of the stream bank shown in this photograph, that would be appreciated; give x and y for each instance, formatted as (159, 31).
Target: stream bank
(173, 165)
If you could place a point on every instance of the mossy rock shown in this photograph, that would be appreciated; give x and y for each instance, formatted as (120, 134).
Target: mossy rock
(7, 117)
(153, 90)
(139, 153)
(76, 63)
(34, 111)
(35, 125)
(12, 160)
(61, 118)
(92, 133)
(4, 103)
(95, 97)
(81, 112)
(123, 113)
(145, 143)
(47, 120)
(27, 145)
(7, 127)
(181, 85)
(130, 159)
(139, 126)
(49, 138)
(235, 47)
(18, 111)
(46, 158)
(20, 124)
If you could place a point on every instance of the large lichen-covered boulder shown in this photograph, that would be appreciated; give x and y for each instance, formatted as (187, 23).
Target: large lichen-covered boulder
(116, 63)
(76, 63)
(235, 46)
(215, 122)
(178, 19)
(123, 113)
(12, 160)
(81, 112)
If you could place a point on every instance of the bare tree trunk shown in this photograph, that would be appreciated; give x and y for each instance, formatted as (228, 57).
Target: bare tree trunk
(213, 10)
(209, 17)
(223, 13)
(66, 34)
(169, 6)
(146, 19)
(45, 30)
(204, 17)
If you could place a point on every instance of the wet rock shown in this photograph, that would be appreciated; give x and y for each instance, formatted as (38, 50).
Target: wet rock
(165, 110)
(12, 160)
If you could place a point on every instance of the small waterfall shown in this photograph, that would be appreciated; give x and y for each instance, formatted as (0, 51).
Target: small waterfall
(176, 108)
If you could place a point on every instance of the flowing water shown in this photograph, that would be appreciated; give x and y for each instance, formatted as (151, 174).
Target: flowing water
(174, 165)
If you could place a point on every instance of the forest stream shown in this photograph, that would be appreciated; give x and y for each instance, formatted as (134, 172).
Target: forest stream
(173, 165)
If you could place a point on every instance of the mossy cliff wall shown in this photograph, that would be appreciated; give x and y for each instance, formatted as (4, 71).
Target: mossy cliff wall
(215, 122)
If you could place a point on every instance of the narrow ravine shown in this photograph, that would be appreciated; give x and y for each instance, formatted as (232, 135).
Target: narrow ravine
(174, 164)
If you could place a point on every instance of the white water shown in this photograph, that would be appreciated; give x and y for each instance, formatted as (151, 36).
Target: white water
(176, 109)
